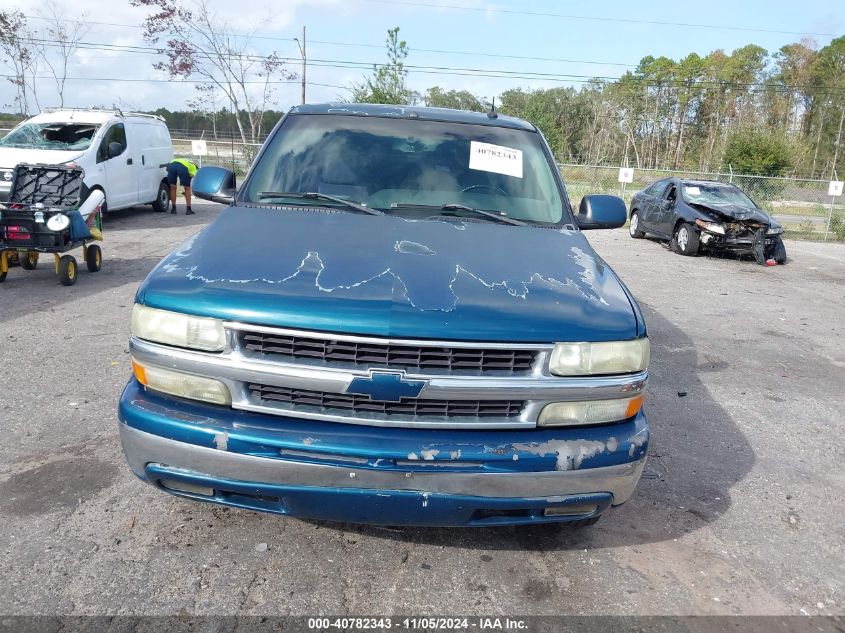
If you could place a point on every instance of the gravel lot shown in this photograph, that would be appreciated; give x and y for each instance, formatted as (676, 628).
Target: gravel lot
(741, 509)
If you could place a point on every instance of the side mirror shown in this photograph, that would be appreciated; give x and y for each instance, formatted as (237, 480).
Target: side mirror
(601, 212)
(214, 183)
(115, 149)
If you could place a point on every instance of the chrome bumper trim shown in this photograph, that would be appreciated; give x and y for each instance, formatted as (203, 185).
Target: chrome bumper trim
(144, 448)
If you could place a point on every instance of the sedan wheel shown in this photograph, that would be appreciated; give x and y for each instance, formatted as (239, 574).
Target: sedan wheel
(683, 238)
(634, 226)
(686, 240)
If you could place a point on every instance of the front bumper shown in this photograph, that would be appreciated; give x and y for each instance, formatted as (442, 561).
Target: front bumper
(340, 472)
(729, 243)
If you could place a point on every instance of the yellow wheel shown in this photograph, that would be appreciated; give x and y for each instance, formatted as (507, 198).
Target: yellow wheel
(28, 260)
(93, 258)
(68, 270)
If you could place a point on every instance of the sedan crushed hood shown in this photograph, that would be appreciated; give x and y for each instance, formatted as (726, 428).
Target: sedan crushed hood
(387, 276)
(736, 213)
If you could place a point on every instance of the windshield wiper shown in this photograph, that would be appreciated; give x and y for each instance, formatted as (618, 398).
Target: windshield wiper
(450, 208)
(311, 195)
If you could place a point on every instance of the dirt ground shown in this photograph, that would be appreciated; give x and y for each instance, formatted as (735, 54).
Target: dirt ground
(741, 509)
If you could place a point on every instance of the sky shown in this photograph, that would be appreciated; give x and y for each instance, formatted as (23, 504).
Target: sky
(576, 40)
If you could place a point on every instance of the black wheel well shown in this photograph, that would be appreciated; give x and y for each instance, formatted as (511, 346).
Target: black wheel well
(680, 221)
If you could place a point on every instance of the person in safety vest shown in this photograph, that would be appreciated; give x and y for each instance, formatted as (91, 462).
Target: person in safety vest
(183, 170)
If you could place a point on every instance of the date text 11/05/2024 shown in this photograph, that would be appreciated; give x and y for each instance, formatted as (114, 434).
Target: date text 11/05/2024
(423, 623)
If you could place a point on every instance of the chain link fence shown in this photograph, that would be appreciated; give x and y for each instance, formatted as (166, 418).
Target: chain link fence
(802, 206)
(236, 156)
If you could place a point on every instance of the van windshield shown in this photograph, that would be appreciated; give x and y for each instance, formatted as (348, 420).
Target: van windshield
(397, 165)
(55, 136)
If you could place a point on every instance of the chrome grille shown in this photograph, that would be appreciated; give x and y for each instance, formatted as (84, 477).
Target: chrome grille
(369, 354)
(363, 404)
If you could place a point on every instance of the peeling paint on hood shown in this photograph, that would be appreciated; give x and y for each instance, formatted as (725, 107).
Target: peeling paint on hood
(387, 276)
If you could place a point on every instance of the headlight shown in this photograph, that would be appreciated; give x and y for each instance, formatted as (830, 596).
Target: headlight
(590, 411)
(775, 230)
(712, 227)
(174, 328)
(588, 359)
(178, 383)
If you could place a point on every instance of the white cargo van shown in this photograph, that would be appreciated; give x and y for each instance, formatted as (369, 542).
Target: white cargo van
(125, 155)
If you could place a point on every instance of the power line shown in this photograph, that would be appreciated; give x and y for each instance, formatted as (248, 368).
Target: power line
(178, 81)
(542, 14)
(465, 71)
(378, 46)
(592, 18)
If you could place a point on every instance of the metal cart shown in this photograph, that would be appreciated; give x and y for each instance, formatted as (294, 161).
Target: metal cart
(46, 214)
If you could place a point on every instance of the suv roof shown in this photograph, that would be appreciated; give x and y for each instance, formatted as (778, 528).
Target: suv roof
(413, 112)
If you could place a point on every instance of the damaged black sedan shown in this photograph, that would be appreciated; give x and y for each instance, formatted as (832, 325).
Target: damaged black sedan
(697, 215)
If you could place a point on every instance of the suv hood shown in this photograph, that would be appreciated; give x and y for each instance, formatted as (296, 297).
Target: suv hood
(387, 276)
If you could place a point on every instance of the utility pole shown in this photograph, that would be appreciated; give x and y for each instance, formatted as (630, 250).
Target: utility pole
(302, 54)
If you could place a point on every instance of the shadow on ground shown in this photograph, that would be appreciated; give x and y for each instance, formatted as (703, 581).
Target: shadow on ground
(697, 455)
(145, 218)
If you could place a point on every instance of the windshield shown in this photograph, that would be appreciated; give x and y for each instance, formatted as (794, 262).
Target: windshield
(394, 164)
(716, 194)
(56, 136)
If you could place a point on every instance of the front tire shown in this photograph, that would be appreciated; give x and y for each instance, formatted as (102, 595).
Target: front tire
(686, 240)
(68, 270)
(634, 226)
(162, 201)
(29, 260)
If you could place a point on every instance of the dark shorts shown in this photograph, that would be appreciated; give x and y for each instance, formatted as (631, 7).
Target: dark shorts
(178, 170)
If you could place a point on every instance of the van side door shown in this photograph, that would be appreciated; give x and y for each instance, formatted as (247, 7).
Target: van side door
(156, 151)
(116, 163)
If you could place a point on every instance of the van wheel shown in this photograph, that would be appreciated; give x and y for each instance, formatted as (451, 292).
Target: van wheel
(29, 260)
(68, 270)
(94, 258)
(162, 201)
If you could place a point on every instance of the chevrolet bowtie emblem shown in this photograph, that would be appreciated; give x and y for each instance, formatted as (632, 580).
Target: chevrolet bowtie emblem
(385, 386)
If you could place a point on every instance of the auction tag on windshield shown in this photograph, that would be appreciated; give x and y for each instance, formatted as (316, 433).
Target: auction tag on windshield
(495, 158)
(693, 191)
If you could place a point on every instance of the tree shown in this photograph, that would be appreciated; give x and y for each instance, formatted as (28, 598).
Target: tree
(758, 152)
(827, 75)
(18, 57)
(64, 36)
(198, 45)
(205, 103)
(388, 81)
(436, 97)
